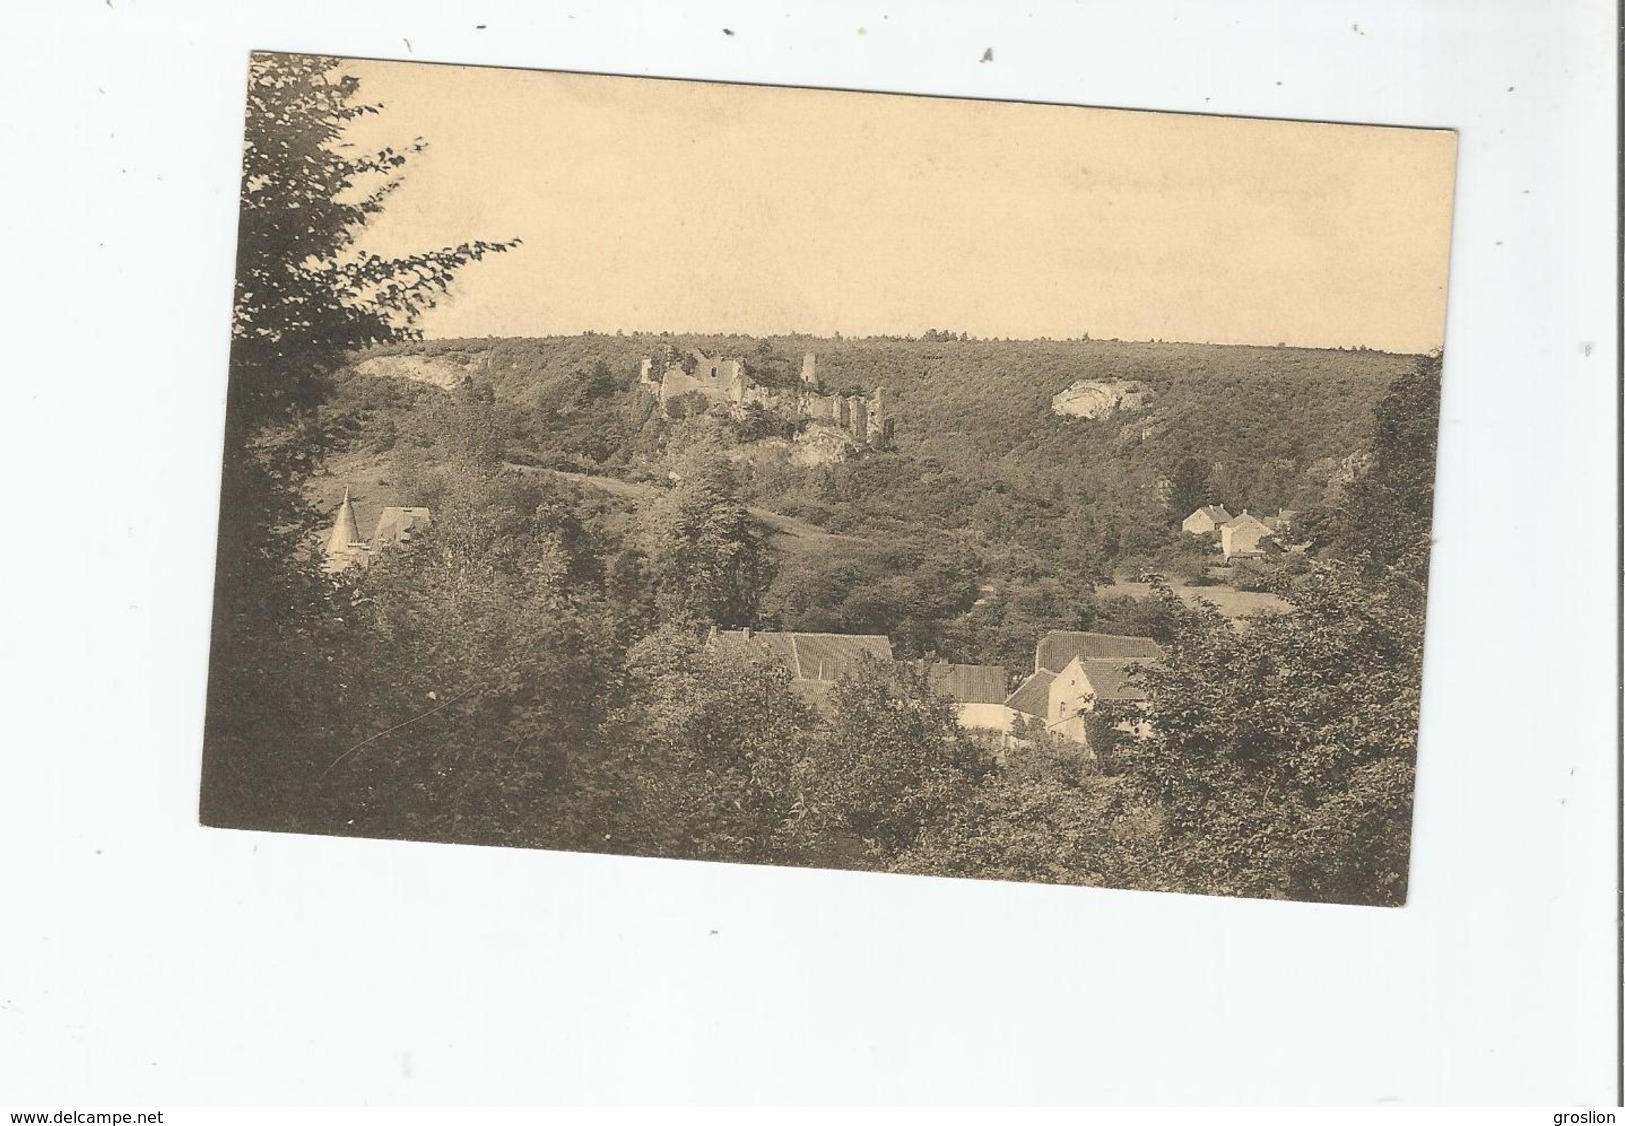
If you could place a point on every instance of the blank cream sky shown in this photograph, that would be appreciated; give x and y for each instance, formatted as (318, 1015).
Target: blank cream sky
(651, 205)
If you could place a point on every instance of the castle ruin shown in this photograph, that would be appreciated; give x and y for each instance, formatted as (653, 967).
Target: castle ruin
(861, 415)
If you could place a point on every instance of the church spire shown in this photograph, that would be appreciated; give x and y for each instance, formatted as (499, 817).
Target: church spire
(342, 543)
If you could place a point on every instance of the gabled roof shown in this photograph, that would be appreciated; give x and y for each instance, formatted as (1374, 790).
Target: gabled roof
(811, 656)
(395, 523)
(1032, 697)
(1057, 648)
(1215, 512)
(1247, 519)
(1111, 678)
(968, 684)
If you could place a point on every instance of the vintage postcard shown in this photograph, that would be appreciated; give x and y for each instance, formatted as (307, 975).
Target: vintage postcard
(828, 479)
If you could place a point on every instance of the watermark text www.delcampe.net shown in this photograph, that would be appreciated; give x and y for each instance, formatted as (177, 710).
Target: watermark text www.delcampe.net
(91, 1117)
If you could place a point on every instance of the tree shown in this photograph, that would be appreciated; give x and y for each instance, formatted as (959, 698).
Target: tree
(1188, 488)
(1282, 756)
(710, 564)
(305, 294)
(1390, 507)
(1385, 515)
(893, 760)
(481, 662)
(1045, 815)
(705, 759)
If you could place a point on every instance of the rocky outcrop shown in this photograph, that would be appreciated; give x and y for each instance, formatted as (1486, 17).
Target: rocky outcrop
(442, 371)
(1094, 398)
(817, 445)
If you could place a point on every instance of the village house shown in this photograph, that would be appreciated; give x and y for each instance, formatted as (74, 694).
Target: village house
(1073, 671)
(816, 661)
(1243, 537)
(1057, 648)
(1077, 688)
(1206, 519)
(977, 690)
(1239, 536)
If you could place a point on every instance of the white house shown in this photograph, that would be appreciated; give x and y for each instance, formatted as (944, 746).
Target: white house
(1243, 537)
(1084, 683)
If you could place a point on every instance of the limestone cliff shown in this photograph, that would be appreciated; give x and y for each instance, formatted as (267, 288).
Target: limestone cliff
(442, 371)
(1090, 398)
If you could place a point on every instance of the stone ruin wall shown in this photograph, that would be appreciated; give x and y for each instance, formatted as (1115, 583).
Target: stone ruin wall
(862, 416)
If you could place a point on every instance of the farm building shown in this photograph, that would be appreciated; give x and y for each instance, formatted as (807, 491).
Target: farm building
(1074, 670)
(979, 690)
(1243, 537)
(1205, 519)
(1031, 697)
(395, 525)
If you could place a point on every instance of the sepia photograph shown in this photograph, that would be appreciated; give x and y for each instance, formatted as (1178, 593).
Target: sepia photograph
(828, 479)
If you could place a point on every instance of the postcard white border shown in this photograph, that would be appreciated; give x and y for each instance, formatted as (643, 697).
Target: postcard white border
(146, 960)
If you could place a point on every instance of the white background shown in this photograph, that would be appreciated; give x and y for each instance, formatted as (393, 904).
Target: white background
(147, 961)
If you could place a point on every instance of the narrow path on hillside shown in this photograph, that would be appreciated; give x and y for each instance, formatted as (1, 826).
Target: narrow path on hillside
(807, 534)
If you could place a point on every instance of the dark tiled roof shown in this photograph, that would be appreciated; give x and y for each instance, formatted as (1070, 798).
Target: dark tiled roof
(1032, 697)
(812, 656)
(969, 684)
(830, 656)
(780, 646)
(1112, 680)
(1057, 648)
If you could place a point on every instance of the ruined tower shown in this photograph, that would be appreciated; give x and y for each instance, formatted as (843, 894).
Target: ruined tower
(809, 370)
(859, 418)
(879, 423)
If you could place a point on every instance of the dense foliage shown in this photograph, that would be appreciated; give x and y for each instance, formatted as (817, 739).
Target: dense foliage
(305, 296)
